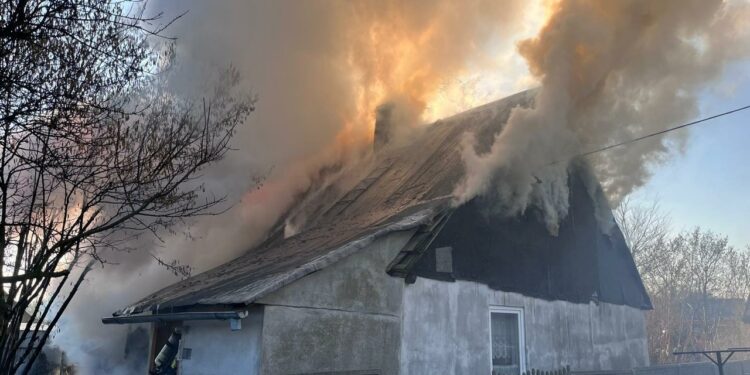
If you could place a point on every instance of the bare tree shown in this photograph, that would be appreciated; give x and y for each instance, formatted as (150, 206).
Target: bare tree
(696, 280)
(645, 228)
(92, 151)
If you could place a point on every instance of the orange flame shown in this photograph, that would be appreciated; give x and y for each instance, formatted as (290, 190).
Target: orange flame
(421, 54)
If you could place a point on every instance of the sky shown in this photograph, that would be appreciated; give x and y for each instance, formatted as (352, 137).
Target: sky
(707, 185)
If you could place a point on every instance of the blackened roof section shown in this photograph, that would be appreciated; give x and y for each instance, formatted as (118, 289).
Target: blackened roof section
(583, 263)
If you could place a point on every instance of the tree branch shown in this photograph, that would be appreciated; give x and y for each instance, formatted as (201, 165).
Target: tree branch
(33, 275)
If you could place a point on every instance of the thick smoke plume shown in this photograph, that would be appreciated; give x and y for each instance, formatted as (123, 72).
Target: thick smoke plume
(609, 71)
(320, 69)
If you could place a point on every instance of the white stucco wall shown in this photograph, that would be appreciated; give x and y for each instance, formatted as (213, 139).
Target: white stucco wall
(445, 330)
(218, 350)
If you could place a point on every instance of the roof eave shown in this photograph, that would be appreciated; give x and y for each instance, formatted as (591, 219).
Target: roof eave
(180, 316)
(246, 297)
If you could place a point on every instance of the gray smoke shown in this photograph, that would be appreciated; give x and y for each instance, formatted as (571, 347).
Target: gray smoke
(609, 71)
(319, 69)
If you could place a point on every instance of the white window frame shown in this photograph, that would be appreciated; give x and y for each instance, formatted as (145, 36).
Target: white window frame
(518, 311)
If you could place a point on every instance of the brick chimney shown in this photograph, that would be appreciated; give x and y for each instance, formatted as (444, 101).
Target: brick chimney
(383, 126)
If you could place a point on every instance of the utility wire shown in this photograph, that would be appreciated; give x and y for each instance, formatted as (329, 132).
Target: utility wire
(605, 148)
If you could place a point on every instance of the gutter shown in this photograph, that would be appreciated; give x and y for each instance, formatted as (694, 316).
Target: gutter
(233, 316)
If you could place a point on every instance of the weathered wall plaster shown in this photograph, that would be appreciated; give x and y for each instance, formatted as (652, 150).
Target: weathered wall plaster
(445, 329)
(343, 318)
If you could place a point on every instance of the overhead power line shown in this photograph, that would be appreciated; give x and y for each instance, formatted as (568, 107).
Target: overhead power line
(605, 148)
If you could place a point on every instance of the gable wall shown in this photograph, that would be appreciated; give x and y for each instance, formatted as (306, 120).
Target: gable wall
(345, 317)
(445, 330)
(587, 259)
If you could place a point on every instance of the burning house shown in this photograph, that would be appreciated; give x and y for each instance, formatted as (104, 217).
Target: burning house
(391, 277)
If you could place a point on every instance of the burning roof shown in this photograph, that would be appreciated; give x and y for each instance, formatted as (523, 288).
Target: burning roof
(407, 187)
